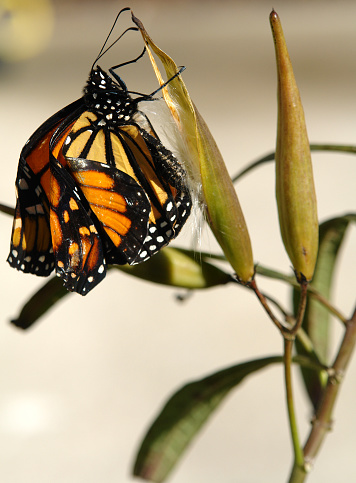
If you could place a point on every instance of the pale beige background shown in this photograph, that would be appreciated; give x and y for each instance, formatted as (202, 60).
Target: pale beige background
(78, 391)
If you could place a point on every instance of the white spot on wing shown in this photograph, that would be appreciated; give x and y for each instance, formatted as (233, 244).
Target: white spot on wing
(23, 184)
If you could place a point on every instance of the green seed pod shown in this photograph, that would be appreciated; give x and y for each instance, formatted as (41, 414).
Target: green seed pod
(204, 162)
(223, 210)
(295, 192)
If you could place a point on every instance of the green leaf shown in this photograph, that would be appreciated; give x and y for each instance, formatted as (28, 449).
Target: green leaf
(185, 413)
(43, 300)
(178, 268)
(317, 317)
(171, 266)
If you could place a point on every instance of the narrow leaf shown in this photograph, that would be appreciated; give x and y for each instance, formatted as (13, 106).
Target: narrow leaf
(171, 266)
(43, 300)
(178, 268)
(8, 210)
(184, 415)
(317, 318)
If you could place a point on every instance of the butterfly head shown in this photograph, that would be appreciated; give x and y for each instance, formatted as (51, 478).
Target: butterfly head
(109, 99)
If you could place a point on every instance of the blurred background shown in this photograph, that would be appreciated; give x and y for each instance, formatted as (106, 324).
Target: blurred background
(79, 389)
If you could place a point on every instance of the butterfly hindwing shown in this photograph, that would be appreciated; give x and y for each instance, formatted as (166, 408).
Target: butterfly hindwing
(119, 203)
(76, 242)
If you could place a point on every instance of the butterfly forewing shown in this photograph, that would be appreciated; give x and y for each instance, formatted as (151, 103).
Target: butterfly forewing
(31, 245)
(127, 161)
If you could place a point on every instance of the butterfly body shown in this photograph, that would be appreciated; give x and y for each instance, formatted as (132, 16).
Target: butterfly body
(95, 186)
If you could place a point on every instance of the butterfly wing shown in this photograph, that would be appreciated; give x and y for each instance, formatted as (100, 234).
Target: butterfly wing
(121, 171)
(31, 245)
(118, 202)
(164, 181)
(76, 242)
(93, 185)
(176, 204)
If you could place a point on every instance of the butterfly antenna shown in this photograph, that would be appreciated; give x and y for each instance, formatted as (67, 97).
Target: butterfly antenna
(114, 67)
(107, 38)
(149, 97)
(167, 82)
(108, 48)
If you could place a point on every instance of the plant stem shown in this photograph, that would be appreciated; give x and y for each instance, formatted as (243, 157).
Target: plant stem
(298, 474)
(289, 337)
(265, 305)
(322, 421)
(313, 147)
(333, 310)
(298, 452)
(301, 308)
(269, 273)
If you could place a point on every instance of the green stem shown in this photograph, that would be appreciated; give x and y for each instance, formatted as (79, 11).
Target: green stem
(341, 148)
(298, 474)
(289, 337)
(298, 452)
(313, 147)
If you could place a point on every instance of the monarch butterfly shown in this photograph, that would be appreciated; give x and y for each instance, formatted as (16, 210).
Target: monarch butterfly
(96, 186)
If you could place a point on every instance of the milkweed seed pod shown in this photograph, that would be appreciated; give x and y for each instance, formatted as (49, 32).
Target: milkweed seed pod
(295, 192)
